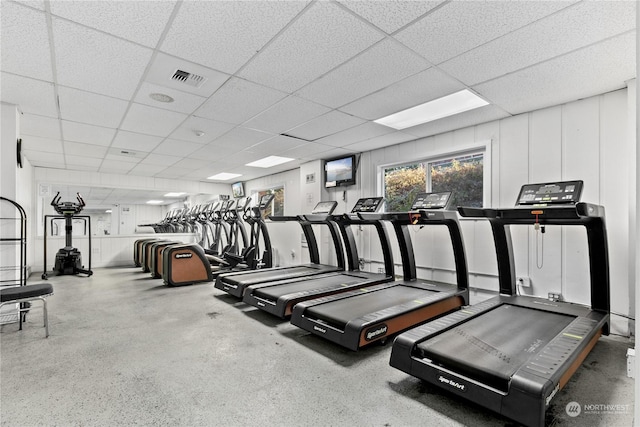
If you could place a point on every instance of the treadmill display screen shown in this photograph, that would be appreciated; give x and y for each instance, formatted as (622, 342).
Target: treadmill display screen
(567, 192)
(431, 201)
(265, 201)
(370, 204)
(324, 208)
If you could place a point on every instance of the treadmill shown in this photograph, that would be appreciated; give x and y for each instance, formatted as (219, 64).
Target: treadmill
(279, 297)
(370, 314)
(236, 283)
(511, 353)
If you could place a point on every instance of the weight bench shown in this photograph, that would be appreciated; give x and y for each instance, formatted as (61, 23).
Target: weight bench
(28, 293)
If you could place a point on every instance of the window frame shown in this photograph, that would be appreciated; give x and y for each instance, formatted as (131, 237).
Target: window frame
(482, 147)
(255, 199)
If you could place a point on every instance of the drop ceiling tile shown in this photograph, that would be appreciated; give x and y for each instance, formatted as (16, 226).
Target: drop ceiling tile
(146, 170)
(597, 69)
(24, 40)
(84, 150)
(307, 151)
(463, 25)
(82, 161)
(160, 160)
(469, 118)
(382, 65)
(136, 141)
(417, 89)
(335, 152)
(183, 102)
(325, 125)
(173, 172)
(390, 16)
(224, 35)
(46, 127)
(115, 166)
(32, 96)
(38, 4)
(89, 134)
(141, 22)
(286, 114)
(94, 61)
(571, 28)
(36, 143)
(361, 132)
(380, 142)
(241, 138)
(151, 120)
(191, 163)
(238, 101)
(38, 157)
(174, 147)
(322, 38)
(212, 129)
(85, 168)
(213, 152)
(80, 106)
(164, 66)
(276, 145)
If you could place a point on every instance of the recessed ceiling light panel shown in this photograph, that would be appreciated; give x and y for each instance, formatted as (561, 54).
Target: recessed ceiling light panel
(270, 161)
(155, 202)
(224, 176)
(174, 194)
(446, 106)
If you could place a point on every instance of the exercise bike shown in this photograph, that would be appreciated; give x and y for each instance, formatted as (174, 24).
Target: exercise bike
(68, 259)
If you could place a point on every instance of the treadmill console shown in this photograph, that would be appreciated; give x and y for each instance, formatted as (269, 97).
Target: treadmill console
(265, 201)
(368, 204)
(431, 201)
(552, 193)
(324, 208)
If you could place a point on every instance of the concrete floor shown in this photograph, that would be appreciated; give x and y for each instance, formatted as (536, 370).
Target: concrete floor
(126, 350)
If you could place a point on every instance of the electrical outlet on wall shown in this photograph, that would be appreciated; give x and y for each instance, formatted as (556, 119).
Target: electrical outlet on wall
(523, 281)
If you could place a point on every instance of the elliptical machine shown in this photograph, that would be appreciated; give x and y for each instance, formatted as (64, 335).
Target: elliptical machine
(68, 259)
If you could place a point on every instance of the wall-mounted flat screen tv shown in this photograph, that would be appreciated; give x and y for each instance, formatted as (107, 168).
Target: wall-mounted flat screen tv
(237, 189)
(340, 171)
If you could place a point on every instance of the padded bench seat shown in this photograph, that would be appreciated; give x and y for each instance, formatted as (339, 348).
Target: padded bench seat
(20, 294)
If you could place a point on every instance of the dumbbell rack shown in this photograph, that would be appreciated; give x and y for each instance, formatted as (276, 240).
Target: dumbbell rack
(13, 250)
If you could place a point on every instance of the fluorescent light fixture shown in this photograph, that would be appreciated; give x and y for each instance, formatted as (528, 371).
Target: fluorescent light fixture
(224, 176)
(270, 161)
(155, 202)
(107, 211)
(449, 105)
(174, 194)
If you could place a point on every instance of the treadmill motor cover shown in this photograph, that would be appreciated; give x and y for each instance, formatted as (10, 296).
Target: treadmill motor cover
(490, 348)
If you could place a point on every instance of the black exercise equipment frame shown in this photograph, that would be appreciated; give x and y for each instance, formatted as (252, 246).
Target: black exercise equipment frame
(533, 385)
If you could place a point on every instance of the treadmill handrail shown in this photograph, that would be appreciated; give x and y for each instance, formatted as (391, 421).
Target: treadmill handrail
(401, 220)
(591, 216)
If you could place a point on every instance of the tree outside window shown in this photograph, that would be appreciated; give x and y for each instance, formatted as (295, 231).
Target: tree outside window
(462, 175)
(277, 205)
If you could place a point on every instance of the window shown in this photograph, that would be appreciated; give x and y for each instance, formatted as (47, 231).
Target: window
(277, 205)
(461, 174)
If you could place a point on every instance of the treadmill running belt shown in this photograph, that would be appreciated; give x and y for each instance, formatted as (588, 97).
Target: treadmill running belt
(256, 276)
(338, 313)
(276, 291)
(493, 346)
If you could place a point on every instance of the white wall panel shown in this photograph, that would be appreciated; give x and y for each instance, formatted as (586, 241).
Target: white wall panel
(580, 160)
(545, 164)
(614, 190)
(514, 172)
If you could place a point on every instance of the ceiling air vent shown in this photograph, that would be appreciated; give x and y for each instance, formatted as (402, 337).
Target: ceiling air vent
(188, 78)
